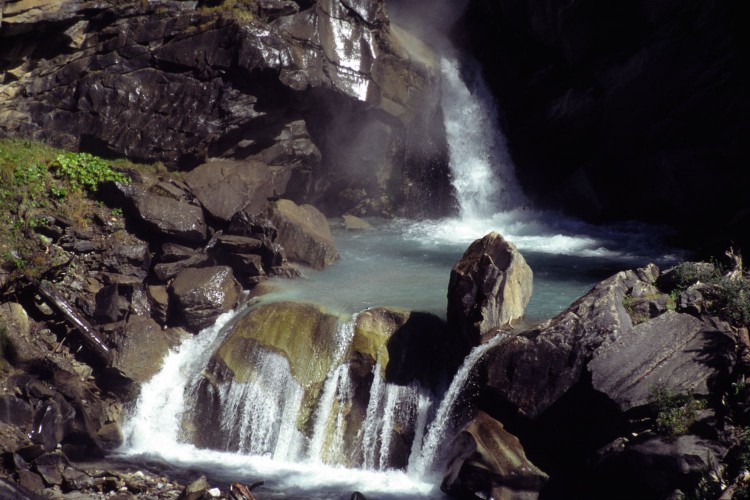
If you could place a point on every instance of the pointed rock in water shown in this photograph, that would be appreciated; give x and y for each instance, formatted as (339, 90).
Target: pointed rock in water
(304, 233)
(489, 288)
(489, 461)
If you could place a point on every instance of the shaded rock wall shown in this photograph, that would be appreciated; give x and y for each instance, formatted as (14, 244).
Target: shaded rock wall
(327, 89)
(608, 103)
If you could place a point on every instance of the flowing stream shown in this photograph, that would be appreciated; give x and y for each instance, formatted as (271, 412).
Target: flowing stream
(398, 263)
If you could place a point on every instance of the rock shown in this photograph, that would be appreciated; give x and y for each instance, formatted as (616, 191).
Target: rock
(195, 490)
(109, 306)
(18, 491)
(140, 348)
(15, 411)
(352, 223)
(167, 270)
(239, 244)
(167, 217)
(409, 346)
(674, 351)
(489, 288)
(657, 466)
(159, 299)
(488, 461)
(48, 425)
(304, 233)
(129, 256)
(536, 368)
(252, 225)
(224, 187)
(247, 268)
(304, 95)
(200, 295)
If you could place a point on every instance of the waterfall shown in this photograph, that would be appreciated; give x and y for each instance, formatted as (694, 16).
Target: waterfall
(481, 167)
(441, 429)
(156, 422)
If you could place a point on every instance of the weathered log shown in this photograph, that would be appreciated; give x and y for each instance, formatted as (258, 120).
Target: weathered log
(89, 335)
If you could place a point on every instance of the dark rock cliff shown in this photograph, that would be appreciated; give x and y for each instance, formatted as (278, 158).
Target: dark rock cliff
(326, 89)
(625, 110)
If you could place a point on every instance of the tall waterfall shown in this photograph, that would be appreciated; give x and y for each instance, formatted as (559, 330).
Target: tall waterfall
(482, 170)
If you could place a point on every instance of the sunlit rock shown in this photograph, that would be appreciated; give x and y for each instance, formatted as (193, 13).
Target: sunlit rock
(489, 288)
(304, 233)
(200, 295)
(489, 462)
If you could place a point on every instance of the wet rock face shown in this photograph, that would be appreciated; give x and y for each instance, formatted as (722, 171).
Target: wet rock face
(295, 87)
(489, 287)
(200, 295)
(596, 99)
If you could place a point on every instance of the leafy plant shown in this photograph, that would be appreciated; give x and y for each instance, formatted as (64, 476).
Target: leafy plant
(83, 170)
(676, 412)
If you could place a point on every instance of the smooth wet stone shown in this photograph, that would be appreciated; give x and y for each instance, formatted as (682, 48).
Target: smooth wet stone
(201, 295)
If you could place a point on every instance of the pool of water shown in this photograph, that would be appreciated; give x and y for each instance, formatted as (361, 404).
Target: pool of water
(406, 264)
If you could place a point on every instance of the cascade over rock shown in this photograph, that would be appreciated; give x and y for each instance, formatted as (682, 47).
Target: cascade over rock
(323, 89)
(488, 460)
(489, 287)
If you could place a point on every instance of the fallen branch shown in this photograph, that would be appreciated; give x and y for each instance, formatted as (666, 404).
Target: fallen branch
(90, 337)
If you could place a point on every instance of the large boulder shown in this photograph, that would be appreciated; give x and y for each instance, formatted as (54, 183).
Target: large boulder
(224, 187)
(140, 348)
(489, 287)
(304, 233)
(199, 296)
(674, 350)
(534, 369)
(487, 460)
(165, 216)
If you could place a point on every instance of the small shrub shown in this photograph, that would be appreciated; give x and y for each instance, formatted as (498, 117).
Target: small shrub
(733, 296)
(689, 273)
(83, 170)
(676, 412)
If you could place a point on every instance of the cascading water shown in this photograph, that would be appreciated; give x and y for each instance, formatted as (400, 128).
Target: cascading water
(482, 172)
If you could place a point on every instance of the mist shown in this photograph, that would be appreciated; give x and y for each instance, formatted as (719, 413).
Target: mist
(430, 20)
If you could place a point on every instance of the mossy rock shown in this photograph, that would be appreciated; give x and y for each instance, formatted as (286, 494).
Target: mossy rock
(303, 333)
(372, 330)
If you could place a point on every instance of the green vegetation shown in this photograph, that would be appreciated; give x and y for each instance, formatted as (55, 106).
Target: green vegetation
(676, 412)
(240, 10)
(629, 302)
(726, 296)
(83, 170)
(40, 183)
